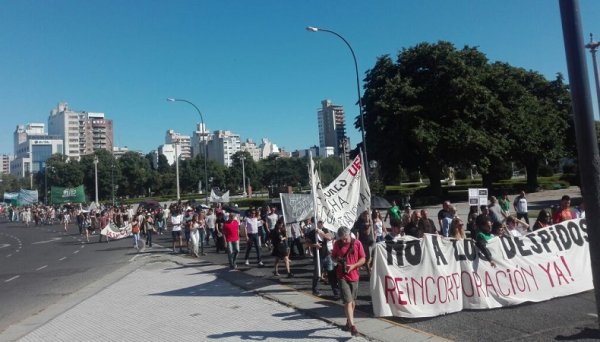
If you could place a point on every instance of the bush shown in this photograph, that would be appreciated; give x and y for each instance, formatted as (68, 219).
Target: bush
(461, 174)
(545, 170)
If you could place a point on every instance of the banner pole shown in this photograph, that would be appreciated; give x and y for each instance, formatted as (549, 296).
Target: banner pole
(313, 188)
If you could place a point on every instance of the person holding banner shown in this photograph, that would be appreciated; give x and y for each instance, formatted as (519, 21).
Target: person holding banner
(350, 256)
(314, 240)
(484, 227)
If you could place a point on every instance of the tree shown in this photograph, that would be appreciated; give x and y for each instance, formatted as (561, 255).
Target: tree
(424, 111)
(135, 172)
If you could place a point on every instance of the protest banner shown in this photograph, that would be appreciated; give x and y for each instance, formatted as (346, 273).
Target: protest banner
(217, 197)
(296, 207)
(340, 203)
(60, 195)
(113, 232)
(435, 275)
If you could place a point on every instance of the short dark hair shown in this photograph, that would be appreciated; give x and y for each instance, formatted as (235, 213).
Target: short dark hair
(565, 198)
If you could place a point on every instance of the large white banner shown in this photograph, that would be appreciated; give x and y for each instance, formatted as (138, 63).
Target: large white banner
(340, 203)
(113, 232)
(436, 275)
(219, 197)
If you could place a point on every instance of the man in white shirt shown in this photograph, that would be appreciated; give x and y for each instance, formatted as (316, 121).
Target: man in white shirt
(176, 220)
(211, 222)
(252, 237)
(520, 205)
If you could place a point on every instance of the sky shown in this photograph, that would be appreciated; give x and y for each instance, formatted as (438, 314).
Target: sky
(251, 67)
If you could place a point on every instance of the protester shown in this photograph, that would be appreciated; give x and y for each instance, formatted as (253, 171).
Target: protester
(520, 205)
(149, 228)
(457, 229)
(496, 212)
(362, 229)
(176, 220)
(543, 220)
(251, 234)
(426, 225)
(413, 228)
(447, 219)
(393, 213)
(484, 234)
(378, 224)
(316, 240)
(194, 227)
(350, 256)
(516, 227)
(231, 234)
(395, 231)
(281, 249)
(135, 234)
(564, 212)
(443, 213)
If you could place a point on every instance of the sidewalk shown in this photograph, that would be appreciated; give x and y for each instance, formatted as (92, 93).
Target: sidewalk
(179, 298)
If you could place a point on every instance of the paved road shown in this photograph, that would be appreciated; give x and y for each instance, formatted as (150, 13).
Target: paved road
(40, 265)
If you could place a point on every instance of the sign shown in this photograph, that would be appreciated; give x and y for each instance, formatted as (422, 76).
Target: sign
(296, 207)
(59, 195)
(342, 201)
(435, 275)
(219, 197)
(113, 232)
(478, 196)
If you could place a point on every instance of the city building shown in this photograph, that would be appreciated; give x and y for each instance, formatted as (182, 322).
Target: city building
(250, 146)
(167, 150)
(199, 139)
(222, 145)
(32, 148)
(82, 132)
(183, 142)
(332, 127)
(267, 148)
(5, 160)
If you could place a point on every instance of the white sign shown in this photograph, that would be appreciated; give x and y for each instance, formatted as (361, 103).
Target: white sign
(478, 196)
(342, 201)
(115, 233)
(436, 275)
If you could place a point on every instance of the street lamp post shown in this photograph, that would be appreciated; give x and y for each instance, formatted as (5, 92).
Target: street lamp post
(243, 158)
(170, 99)
(593, 46)
(96, 177)
(360, 106)
(177, 171)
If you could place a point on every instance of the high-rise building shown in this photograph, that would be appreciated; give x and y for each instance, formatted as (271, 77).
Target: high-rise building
(183, 142)
(82, 132)
(267, 148)
(332, 127)
(222, 146)
(250, 147)
(32, 148)
(5, 160)
(200, 138)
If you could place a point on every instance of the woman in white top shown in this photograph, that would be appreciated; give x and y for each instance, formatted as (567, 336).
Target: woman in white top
(194, 235)
(378, 224)
(516, 227)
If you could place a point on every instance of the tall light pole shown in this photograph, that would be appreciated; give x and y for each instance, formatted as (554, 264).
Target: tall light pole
(593, 46)
(46, 183)
(96, 177)
(170, 99)
(360, 106)
(243, 158)
(177, 170)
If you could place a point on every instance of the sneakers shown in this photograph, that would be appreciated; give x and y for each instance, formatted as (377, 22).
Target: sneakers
(353, 330)
(290, 275)
(316, 293)
(260, 263)
(247, 262)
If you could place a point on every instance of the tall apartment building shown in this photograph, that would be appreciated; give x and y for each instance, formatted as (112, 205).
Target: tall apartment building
(5, 160)
(183, 142)
(251, 147)
(332, 127)
(267, 148)
(222, 146)
(82, 132)
(200, 138)
(32, 148)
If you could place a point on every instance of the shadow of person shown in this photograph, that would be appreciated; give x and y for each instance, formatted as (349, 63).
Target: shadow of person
(281, 334)
(585, 333)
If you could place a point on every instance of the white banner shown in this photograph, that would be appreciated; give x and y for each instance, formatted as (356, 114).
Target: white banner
(296, 207)
(115, 233)
(218, 197)
(435, 275)
(340, 203)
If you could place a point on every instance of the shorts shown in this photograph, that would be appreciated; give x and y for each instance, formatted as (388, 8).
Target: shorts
(349, 290)
(176, 234)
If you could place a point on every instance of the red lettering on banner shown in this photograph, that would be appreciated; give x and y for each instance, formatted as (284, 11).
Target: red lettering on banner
(427, 290)
(356, 165)
(489, 283)
(478, 284)
(558, 273)
(393, 287)
(498, 282)
(567, 267)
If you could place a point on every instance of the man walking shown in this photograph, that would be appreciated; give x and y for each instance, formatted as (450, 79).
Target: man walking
(520, 205)
(350, 256)
(231, 234)
(252, 238)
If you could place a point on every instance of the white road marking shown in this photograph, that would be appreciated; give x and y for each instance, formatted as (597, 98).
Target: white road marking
(61, 259)
(8, 256)
(5, 245)
(77, 251)
(41, 268)
(47, 241)
(11, 279)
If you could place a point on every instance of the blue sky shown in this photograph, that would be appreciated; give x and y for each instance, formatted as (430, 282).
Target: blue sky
(250, 66)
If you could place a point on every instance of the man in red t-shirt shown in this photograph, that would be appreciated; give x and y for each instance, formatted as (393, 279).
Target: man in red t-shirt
(350, 255)
(231, 233)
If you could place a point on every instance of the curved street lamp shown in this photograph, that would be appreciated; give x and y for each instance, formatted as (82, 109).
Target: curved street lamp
(170, 99)
(360, 106)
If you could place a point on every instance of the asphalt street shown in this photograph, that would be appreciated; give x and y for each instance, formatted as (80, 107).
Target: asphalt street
(42, 264)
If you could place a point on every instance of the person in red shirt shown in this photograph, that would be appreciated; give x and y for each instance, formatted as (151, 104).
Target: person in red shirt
(231, 233)
(563, 213)
(350, 256)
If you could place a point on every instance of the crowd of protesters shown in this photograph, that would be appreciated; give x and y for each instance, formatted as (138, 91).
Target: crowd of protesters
(337, 257)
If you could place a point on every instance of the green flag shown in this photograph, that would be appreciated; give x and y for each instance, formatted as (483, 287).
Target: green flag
(60, 195)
